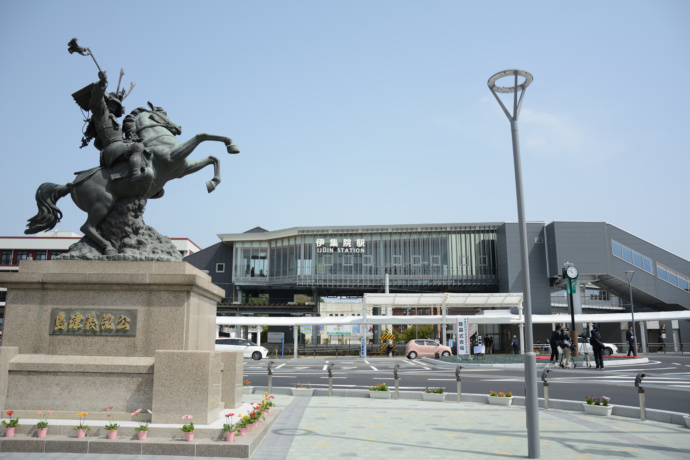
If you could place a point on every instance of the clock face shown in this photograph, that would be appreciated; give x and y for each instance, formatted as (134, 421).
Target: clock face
(571, 272)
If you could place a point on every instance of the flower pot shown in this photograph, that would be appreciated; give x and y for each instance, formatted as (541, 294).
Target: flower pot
(501, 400)
(112, 434)
(81, 432)
(379, 394)
(248, 390)
(433, 397)
(302, 391)
(598, 410)
(189, 436)
(687, 420)
(41, 432)
(9, 432)
(230, 436)
(268, 411)
(142, 435)
(243, 431)
(254, 425)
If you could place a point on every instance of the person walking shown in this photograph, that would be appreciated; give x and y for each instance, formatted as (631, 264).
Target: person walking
(553, 342)
(597, 348)
(630, 338)
(565, 344)
(516, 348)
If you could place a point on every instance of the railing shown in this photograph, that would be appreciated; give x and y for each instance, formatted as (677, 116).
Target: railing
(638, 383)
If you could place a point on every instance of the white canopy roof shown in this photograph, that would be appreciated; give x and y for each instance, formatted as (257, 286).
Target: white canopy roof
(447, 299)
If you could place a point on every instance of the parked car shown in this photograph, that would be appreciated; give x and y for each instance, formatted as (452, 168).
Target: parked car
(425, 347)
(250, 349)
(584, 346)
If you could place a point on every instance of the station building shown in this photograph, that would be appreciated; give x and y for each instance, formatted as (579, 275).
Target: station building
(268, 272)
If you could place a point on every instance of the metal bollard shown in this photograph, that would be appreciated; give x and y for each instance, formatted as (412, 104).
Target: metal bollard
(640, 392)
(457, 377)
(270, 377)
(330, 379)
(397, 379)
(546, 388)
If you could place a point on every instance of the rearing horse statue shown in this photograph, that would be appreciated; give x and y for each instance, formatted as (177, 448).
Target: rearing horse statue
(97, 190)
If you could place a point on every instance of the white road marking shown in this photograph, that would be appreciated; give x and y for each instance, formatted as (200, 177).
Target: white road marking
(281, 365)
(334, 377)
(373, 368)
(325, 367)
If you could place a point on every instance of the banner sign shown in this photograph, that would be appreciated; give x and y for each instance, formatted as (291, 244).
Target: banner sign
(462, 329)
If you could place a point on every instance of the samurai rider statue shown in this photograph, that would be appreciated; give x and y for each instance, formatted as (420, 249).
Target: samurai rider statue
(103, 124)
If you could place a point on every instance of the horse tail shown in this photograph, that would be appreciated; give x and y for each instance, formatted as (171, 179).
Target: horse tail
(48, 213)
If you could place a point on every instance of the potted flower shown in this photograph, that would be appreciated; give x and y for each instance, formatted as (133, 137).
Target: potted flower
(302, 390)
(229, 428)
(267, 403)
(242, 425)
(42, 426)
(188, 428)
(143, 429)
(11, 425)
(111, 428)
(248, 388)
(501, 398)
(433, 394)
(596, 406)
(379, 391)
(81, 429)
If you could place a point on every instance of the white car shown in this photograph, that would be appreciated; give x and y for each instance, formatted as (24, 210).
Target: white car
(250, 349)
(584, 347)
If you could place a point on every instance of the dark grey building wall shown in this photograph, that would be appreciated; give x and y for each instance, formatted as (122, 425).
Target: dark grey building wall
(510, 269)
(209, 258)
(582, 243)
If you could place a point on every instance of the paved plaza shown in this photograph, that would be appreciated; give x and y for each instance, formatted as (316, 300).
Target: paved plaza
(353, 427)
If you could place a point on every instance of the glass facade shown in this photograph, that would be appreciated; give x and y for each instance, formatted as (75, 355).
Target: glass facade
(631, 256)
(673, 277)
(411, 256)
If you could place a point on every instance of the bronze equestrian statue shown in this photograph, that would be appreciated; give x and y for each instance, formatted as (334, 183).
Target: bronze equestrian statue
(137, 160)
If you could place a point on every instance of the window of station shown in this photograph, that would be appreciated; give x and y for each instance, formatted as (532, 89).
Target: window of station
(6, 258)
(632, 257)
(21, 255)
(673, 277)
(54, 254)
(41, 255)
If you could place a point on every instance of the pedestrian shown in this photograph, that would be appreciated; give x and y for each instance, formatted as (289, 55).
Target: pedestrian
(516, 348)
(597, 348)
(489, 342)
(553, 342)
(630, 338)
(565, 343)
(390, 351)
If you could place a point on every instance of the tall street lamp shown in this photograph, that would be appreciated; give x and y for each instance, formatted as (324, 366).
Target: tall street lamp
(531, 396)
(629, 275)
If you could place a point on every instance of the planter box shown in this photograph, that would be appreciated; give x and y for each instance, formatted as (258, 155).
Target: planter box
(687, 420)
(247, 390)
(598, 410)
(433, 397)
(500, 401)
(380, 394)
(302, 391)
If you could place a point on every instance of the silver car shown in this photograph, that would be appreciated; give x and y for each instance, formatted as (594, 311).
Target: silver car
(584, 346)
(250, 349)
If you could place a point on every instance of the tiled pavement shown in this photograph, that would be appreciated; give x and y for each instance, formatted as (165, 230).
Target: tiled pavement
(338, 427)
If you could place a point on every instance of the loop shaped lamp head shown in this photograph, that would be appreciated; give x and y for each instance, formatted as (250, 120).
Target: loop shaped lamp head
(510, 89)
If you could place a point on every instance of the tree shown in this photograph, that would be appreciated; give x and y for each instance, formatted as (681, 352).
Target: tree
(424, 331)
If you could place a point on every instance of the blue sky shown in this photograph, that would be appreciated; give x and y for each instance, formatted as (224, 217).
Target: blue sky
(366, 112)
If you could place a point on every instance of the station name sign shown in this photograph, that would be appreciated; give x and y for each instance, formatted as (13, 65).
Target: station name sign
(102, 323)
(346, 246)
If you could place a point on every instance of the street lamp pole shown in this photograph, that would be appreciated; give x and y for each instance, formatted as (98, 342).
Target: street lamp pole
(531, 397)
(629, 275)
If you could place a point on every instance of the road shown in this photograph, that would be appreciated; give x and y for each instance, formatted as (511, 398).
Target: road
(671, 371)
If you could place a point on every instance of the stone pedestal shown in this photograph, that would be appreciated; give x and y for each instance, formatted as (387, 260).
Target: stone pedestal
(83, 335)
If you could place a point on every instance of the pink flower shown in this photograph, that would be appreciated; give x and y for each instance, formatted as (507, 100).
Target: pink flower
(149, 411)
(186, 417)
(50, 411)
(136, 412)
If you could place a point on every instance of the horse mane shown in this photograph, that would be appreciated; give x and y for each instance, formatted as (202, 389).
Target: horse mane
(129, 125)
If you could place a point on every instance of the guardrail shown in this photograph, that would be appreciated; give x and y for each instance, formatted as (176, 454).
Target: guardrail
(638, 384)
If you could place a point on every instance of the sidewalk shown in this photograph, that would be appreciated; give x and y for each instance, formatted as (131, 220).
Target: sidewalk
(335, 427)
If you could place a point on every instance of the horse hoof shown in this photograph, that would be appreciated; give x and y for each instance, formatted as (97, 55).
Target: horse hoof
(111, 252)
(210, 186)
(232, 148)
